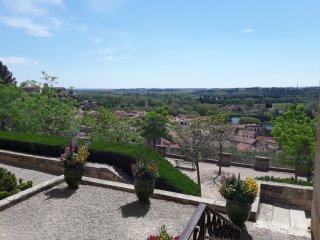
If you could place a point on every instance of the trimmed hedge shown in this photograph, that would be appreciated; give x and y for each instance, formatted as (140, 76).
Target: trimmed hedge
(121, 156)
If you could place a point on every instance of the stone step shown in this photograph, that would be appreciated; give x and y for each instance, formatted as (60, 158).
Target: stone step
(283, 219)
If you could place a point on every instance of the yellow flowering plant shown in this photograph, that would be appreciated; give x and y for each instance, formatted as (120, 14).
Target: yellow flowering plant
(235, 189)
(73, 156)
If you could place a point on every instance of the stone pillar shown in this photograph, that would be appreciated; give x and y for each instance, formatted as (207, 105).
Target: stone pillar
(315, 211)
(262, 164)
(225, 159)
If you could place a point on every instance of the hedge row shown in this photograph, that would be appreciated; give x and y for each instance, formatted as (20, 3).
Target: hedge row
(121, 156)
(285, 180)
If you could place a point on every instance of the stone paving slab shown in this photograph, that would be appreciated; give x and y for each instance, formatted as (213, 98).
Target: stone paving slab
(90, 213)
(27, 174)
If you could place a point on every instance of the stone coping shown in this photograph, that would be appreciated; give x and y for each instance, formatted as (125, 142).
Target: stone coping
(285, 185)
(20, 196)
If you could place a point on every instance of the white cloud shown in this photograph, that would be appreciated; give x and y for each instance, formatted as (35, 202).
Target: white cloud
(96, 40)
(27, 25)
(247, 30)
(109, 54)
(13, 60)
(33, 16)
(35, 7)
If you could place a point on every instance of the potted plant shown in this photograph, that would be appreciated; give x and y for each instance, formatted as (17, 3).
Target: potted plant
(163, 235)
(240, 195)
(144, 174)
(74, 159)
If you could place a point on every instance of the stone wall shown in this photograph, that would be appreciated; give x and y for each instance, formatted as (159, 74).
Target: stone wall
(54, 165)
(316, 195)
(295, 195)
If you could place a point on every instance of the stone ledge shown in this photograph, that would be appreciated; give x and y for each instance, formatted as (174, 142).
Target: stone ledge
(16, 198)
(283, 193)
(54, 165)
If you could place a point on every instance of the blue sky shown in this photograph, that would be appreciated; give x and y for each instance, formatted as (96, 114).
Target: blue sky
(167, 43)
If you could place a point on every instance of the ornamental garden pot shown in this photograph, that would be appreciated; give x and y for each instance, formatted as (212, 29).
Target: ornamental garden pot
(73, 176)
(237, 212)
(144, 189)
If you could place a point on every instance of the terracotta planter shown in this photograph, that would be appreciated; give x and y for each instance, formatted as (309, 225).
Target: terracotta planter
(144, 189)
(238, 212)
(73, 176)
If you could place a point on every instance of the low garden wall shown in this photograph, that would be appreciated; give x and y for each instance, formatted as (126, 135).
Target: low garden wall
(296, 195)
(54, 165)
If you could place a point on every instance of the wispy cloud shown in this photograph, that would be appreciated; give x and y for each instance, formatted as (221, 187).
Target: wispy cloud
(27, 25)
(42, 18)
(14, 60)
(109, 54)
(247, 30)
(96, 40)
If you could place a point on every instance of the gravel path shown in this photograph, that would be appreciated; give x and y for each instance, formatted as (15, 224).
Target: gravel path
(90, 213)
(26, 174)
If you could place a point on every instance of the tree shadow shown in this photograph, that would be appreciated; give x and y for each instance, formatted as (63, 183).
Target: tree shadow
(60, 193)
(135, 209)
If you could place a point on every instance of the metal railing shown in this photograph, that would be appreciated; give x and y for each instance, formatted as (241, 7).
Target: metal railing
(206, 223)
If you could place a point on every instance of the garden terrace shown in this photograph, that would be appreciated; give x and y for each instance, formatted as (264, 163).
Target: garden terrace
(119, 155)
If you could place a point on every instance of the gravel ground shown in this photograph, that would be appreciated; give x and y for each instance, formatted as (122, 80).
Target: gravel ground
(26, 174)
(90, 213)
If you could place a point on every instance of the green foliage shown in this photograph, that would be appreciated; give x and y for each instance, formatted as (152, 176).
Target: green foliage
(8, 181)
(105, 126)
(249, 120)
(296, 134)
(26, 185)
(154, 125)
(119, 155)
(8, 184)
(6, 76)
(249, 102)
(285, 180)
(47, 113)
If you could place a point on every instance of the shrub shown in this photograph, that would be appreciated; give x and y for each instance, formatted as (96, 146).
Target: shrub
(8, 181)
(8, 184)
(285, 180)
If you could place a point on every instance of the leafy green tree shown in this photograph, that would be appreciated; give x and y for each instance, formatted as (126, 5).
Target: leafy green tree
(194, 140)
(154, 125)
(48, 114)
(249, 120)
(296, 134)
(9, 94)
(6, 76)
(105, 126)
(249, 102)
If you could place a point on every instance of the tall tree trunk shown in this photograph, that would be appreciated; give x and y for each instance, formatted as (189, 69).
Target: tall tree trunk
(198, 177)
(154, 143)
(220, 157)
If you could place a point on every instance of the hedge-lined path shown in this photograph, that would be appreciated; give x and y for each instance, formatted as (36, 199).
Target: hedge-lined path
(90, 213)
(27, 174)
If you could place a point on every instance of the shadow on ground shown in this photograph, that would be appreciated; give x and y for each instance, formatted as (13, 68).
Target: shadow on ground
(135, 209)
(60, 193)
